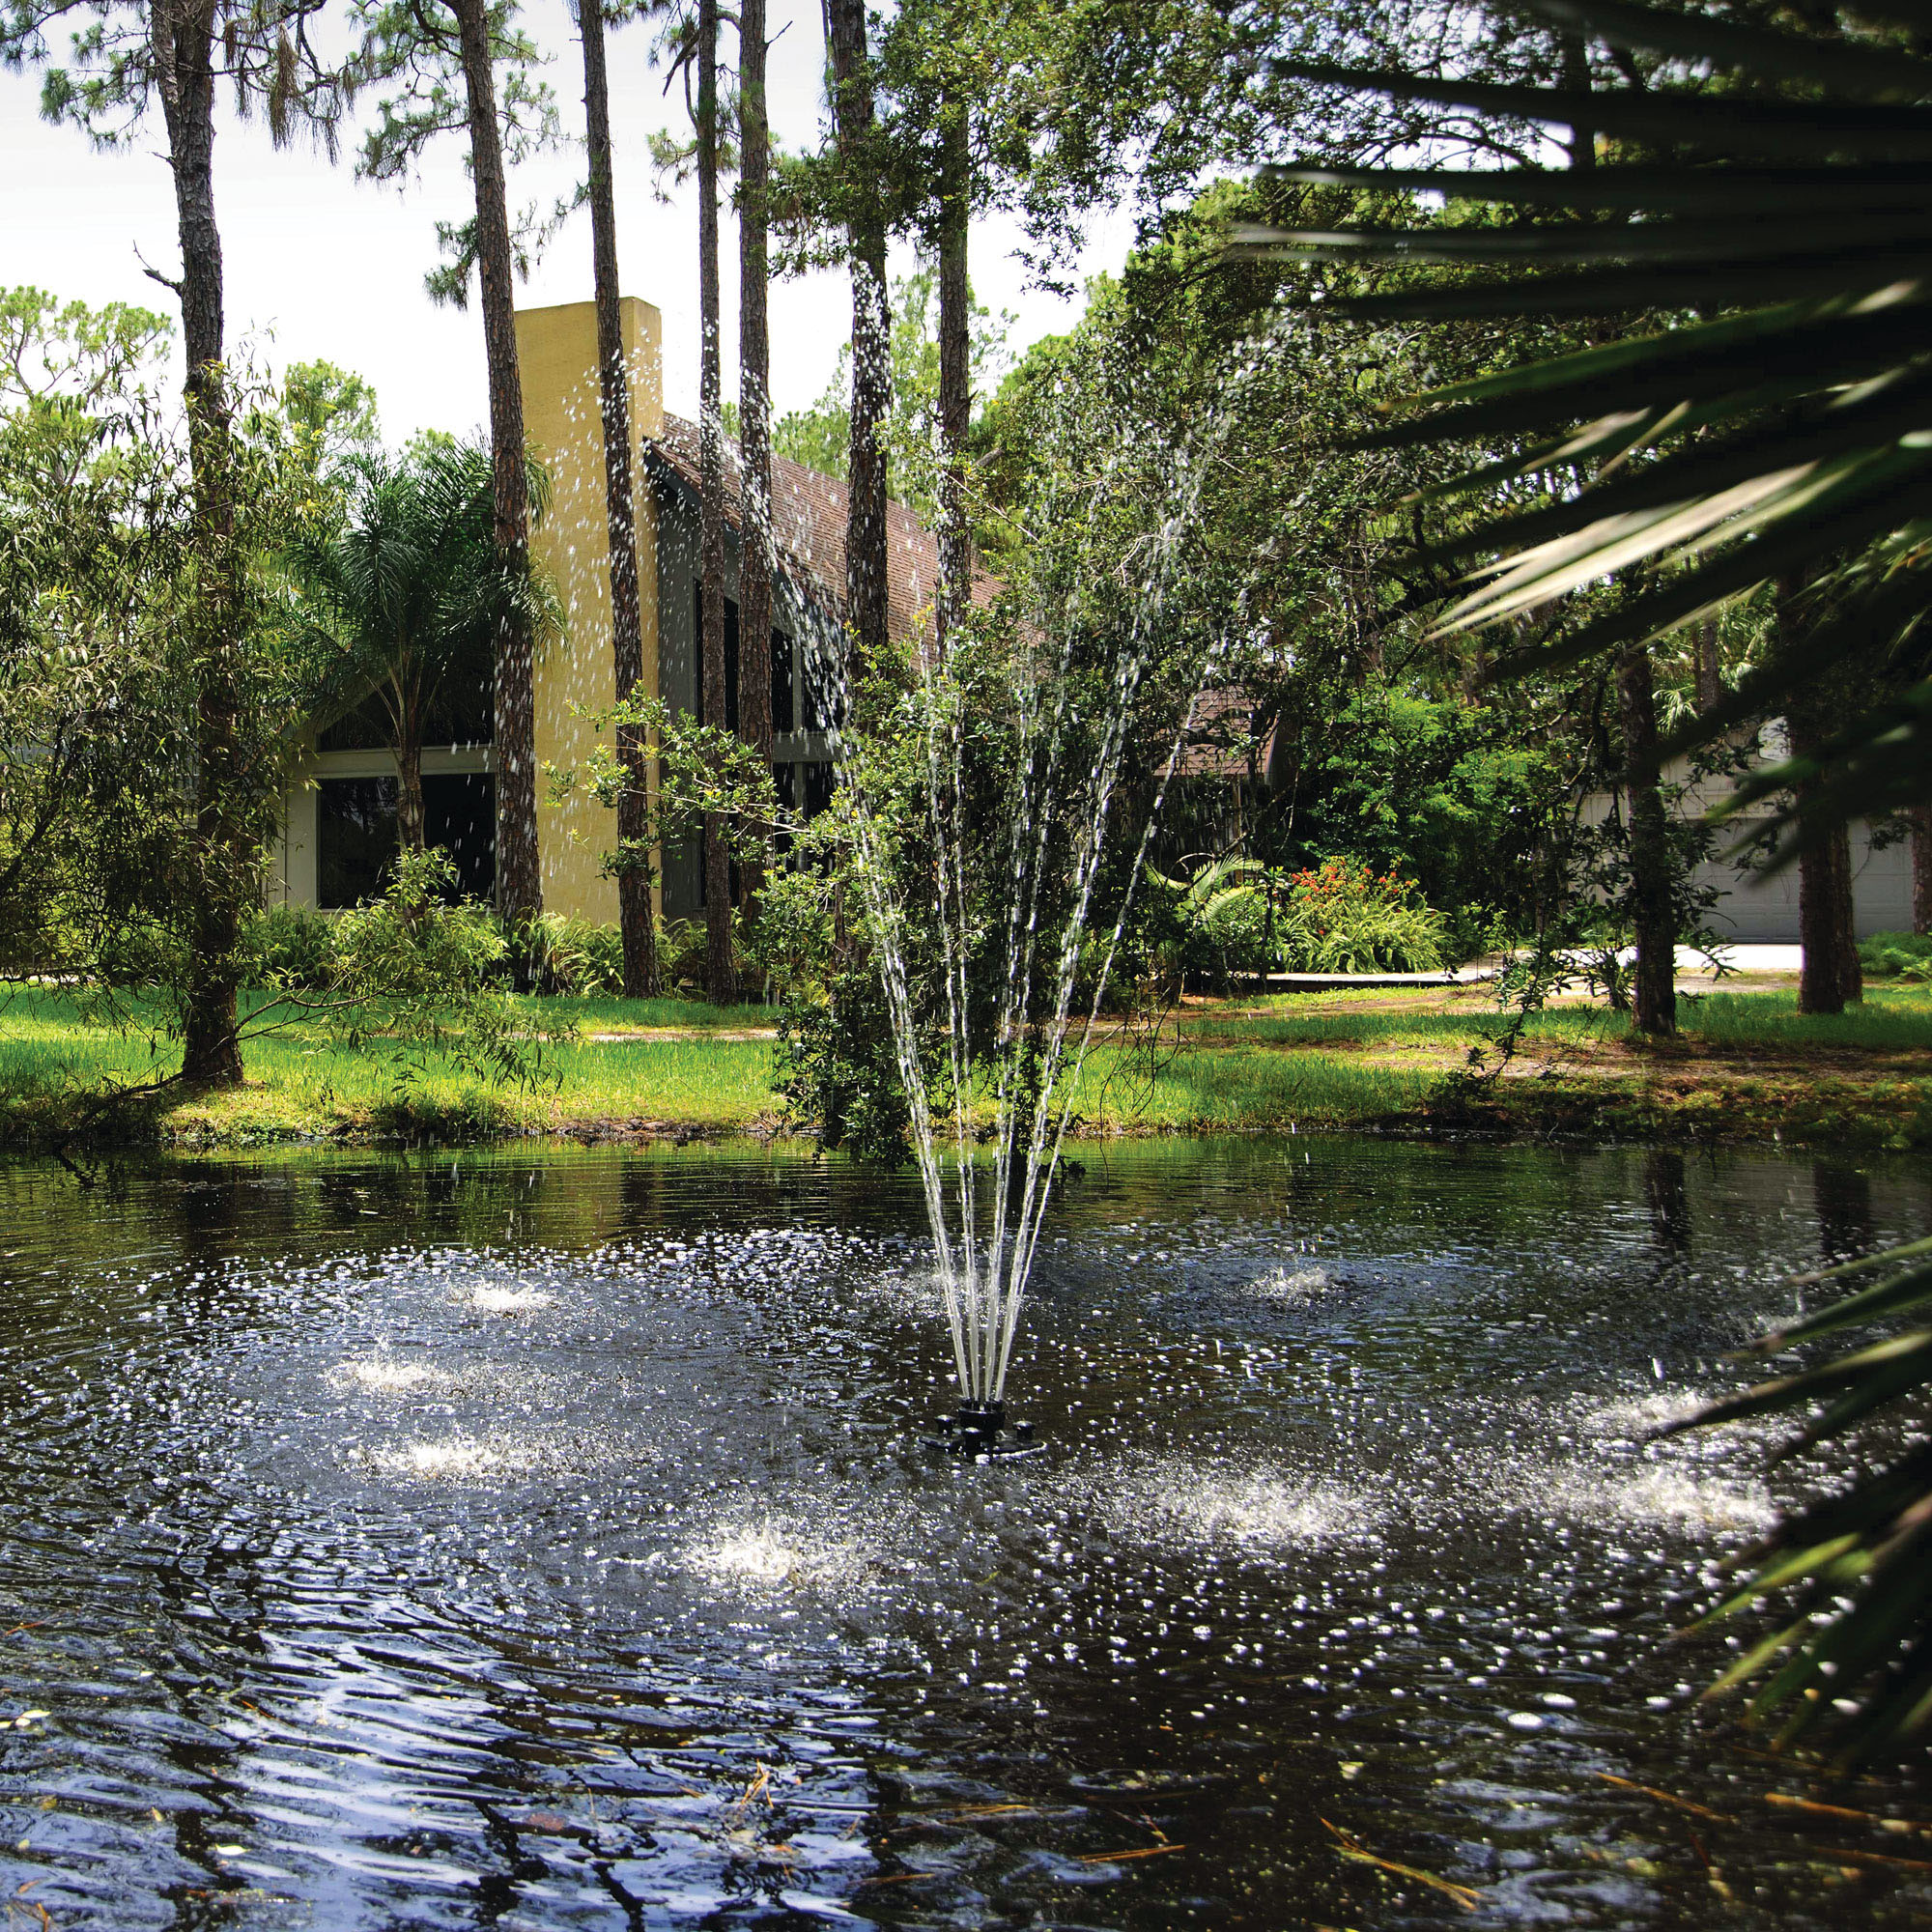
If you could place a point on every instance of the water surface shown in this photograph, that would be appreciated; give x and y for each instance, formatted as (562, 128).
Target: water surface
(540, 1540)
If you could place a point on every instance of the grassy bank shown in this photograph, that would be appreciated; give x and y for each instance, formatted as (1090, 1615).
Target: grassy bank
(1746, 1066)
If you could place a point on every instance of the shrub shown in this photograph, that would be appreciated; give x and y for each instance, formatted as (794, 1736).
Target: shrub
(1897, 955)
(1342, 918)
(838, 1073)
(572, 955)
(1236, 916)
(290, 946)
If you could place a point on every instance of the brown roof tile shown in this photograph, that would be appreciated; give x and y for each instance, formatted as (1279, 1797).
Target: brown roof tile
(809, 517)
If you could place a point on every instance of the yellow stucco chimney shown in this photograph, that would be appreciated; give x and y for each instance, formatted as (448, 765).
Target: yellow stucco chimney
(556, 354)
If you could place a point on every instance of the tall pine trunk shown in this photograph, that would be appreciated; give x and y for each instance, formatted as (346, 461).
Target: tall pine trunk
(634, 923)
(1921, 868)
(1829, 974)
(755, 559)
(225, 860)
(720, 981)
(1654, 990)
(956, 374)
(518, 871)
(872, 325)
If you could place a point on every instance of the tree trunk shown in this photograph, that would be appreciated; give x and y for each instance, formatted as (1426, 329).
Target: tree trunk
(1653, 911)
(1921, 868)
(226, 862)
(1830, 976)
(518, 871)
(956, 370)
(1710, 673)
(634, 923)
(410, 794)
(871, 327)
(720, 980)
(755, 559)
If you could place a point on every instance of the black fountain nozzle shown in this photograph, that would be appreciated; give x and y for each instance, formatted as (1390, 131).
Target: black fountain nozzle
(978, 1432)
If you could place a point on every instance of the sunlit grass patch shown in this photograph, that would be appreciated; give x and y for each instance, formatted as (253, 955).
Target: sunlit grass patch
(1889, 1017)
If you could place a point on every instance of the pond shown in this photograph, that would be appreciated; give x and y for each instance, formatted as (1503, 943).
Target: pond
(545, 1539)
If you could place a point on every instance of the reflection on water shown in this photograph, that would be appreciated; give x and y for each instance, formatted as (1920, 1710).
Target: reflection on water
(532, 1541)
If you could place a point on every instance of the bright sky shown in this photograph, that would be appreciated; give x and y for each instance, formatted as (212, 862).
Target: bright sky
(319, 265)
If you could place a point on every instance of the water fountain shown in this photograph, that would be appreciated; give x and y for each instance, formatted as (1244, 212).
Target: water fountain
(1077, 682)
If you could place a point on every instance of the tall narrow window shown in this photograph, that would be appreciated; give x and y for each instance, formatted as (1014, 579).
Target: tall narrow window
(782, 719)
(730, 665)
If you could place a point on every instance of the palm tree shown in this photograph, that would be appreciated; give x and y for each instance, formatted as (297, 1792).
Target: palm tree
(1782, 433)
(405, 598)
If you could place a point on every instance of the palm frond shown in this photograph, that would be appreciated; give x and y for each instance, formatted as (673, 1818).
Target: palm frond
(1784, 425)
(1779, 429)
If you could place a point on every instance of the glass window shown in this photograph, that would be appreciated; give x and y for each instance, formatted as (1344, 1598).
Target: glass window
(821, 691)
(356, 834)
(459, 818)
(462, 712)
(817, 777)
(355, 839)
(782, 719)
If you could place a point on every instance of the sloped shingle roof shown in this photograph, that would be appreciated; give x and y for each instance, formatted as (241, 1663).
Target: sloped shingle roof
(808, 519)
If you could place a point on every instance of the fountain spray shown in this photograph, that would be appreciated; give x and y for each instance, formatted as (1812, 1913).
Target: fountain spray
(1079, 706)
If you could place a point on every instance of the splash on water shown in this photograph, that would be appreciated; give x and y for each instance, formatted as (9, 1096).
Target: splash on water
(509, 1301)
(450, 1459)
(387, 1377)
(1638, 1415)
(1178, 1500)
(774, 1555)
(1290, 1287)
(1646, 1494)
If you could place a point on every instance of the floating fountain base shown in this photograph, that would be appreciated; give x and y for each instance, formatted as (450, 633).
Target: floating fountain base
(978, 1432)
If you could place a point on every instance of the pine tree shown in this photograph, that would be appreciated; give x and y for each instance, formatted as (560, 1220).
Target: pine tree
(175, 53)
(756, 562)
(427, 44)
(866, 219)
(635, 920)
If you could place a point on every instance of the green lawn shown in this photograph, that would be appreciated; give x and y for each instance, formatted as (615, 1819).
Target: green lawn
(1891, 1019)
(301, 1083)
(668, 1070)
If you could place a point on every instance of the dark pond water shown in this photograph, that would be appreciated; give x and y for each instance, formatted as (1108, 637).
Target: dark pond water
(542, 1540)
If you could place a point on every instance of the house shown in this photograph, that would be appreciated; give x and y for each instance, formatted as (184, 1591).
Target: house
(340, 809)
